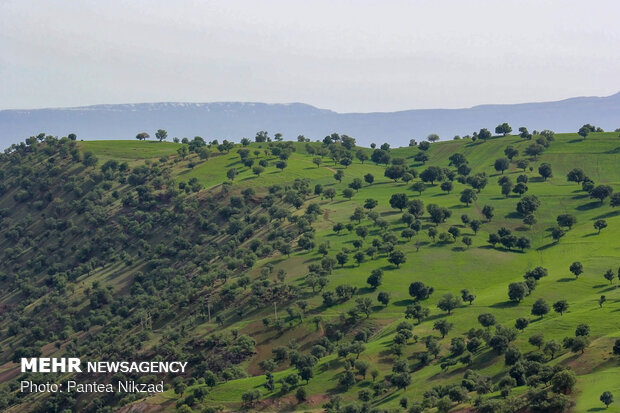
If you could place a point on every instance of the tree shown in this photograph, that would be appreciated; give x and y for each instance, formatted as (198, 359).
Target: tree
(348, 193)
(501, 165)
(361, 155)
(557, 233)
(576, 268)
(615, 200)
(433, 137)
(528, 205)
(484, 134)
(467, 296)
(330, 193)
(342, 258)
(421, 157)
(432, 174)
(545, 171)
(397, 257)
(512, 355)
(607, 398)
(454, 231)
(609, 275)
(506, 188)
(520, 188)
(380, 156)
(375, 278)
(359, 257)
(358, 215)
(486, 320)
(317, 161)
(347, 379)
(369, 178)
(468, 196)
(370, 203)
(522, 164)
(566, 220)
(90, 159)
(418, 187)
(232, 174)
(503, 128)
(161, 135)
(446, 186)
(602, 301)
(488, 212)
(576, 175)
(584, 131)
(364, 305)
(599, 224)
(281, 165)
(534, 150)
(419, 291)
(563, 381)
(339, 175)
(475, 225)
(601, 192)
(449, 302)
(467, 241)
(552, 347)
(518, 291)
(398, 201)
(540, 308)
(383, 297)
(443, 326)
(301, 394)
(511, 152)
(394, 172)
(521, 323)
(142, 136)
(257, 170)
(417, 311)
(560, 306)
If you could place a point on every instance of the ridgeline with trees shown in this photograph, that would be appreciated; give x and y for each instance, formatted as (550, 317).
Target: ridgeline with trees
(299, 275)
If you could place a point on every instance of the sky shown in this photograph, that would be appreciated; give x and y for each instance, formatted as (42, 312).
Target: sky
(344, 55)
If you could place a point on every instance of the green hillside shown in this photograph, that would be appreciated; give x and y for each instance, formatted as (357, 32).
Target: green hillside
(252, 261)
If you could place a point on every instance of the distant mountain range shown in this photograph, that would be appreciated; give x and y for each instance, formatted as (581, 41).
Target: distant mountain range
(234, 120)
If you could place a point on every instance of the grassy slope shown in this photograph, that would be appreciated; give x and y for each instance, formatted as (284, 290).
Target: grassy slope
(450, 267)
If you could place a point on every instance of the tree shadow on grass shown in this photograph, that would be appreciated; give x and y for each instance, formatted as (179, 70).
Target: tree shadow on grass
(592, 234)
(365, 290)
(388, 398)
(580, 196)
(544, 247)
(513, 215)
(588, 206)
(607, 215)
(459, 206)
(402, 303)
(596, 409)
(505, 304)
(565, 280)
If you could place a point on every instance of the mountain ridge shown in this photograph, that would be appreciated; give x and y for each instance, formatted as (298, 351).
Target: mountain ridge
(234, 120)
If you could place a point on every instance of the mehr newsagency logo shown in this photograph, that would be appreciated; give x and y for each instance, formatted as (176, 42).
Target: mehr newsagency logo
(75, 365)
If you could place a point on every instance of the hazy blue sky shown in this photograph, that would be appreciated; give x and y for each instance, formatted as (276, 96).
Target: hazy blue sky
(344, 55)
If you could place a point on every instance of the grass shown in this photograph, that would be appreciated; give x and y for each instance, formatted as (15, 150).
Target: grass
(447, 267)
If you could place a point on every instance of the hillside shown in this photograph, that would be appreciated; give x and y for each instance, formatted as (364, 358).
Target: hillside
(235, 120)
(196, 251)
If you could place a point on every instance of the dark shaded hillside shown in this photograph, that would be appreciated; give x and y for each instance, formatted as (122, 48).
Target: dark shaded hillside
(233, 120)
